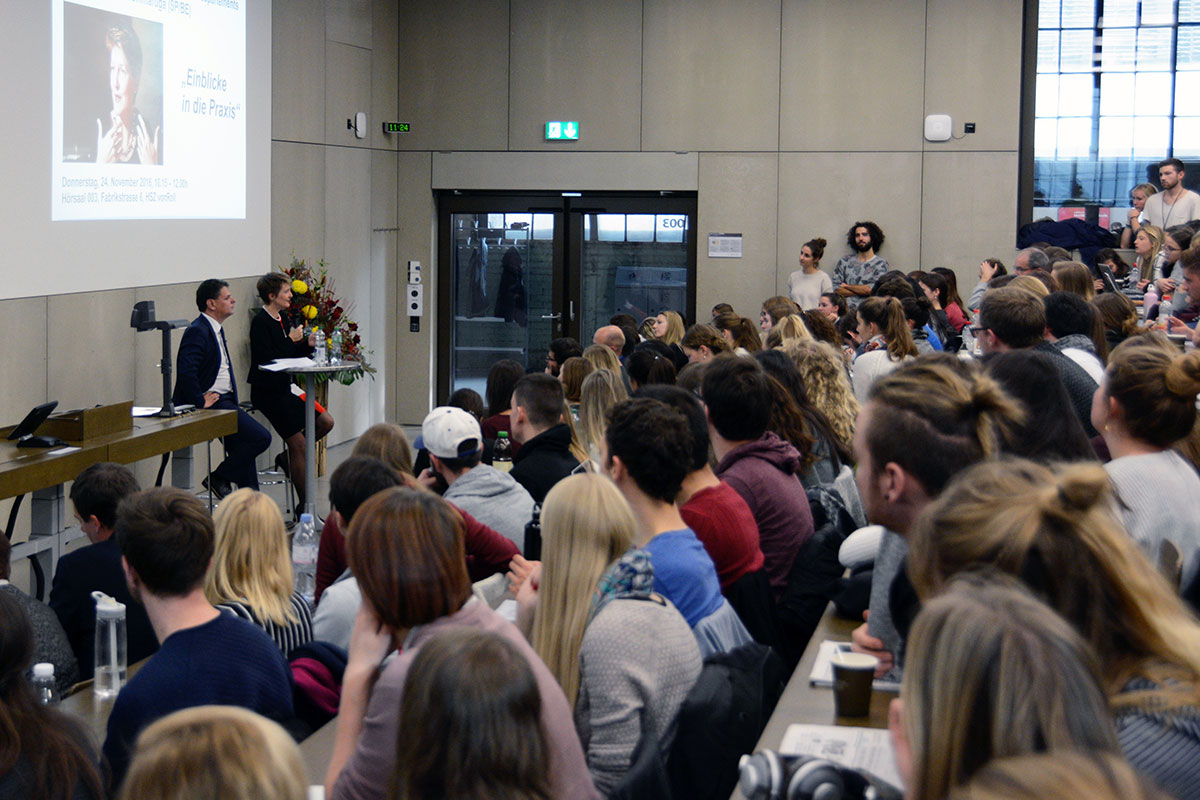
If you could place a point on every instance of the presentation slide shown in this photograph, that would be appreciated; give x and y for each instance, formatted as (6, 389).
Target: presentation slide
(149, 110)
(144, 156)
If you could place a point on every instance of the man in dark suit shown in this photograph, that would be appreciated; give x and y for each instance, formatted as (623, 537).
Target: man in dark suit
(204, 378)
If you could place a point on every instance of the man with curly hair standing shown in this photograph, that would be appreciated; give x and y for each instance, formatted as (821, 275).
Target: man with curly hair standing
(856, 272)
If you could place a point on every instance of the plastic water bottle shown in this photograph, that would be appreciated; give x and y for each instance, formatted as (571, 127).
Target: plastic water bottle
(319, 352)
(335, 347)
(304, 557)
(110, 650)
(43, 684)
(1165, 308)
(502, 452)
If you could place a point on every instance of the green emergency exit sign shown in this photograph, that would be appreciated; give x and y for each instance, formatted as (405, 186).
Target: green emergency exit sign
(562, 131)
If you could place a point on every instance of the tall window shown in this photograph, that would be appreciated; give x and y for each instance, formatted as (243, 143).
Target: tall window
(1118, 90)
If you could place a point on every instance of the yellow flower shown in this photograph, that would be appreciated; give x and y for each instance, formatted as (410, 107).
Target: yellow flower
(310, 311)
(300, 287)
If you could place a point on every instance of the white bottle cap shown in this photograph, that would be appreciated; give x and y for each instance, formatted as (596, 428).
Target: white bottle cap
(108, 607)
(43, 670)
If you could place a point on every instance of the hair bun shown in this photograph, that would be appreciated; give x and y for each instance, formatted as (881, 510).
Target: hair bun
(1183, 375)
(820, 242)
(1081, 486)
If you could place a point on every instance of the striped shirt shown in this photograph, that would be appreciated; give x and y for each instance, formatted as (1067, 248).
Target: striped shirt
(1163, 745)
(286, 637)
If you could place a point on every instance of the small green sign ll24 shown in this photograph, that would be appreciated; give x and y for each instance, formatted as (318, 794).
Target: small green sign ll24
(562, 131)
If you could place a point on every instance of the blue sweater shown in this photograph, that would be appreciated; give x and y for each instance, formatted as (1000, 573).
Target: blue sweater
(684, 574)
(226, 661)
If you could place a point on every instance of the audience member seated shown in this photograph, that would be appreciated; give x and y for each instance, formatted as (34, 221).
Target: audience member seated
(406, 549)
(760, 466)
(1058, 776)
(612, 337)
(703, 343)
(454, 442)
(1073, 329)
(886, 339)
(50, 642)
(1138, 196)
(537, 424)
(1187, 298)
(206, 657)
(1145, 405)
(1012, 319)
(789, 329)
(832, 305)
(799, 424)
(389, 444)
(992, 673)
(926, 337)
(501, 379)
(722, 522)
(1076, 278)
(560, 350)
(773, 310)
(647, 368)
(44, 754)
(1057, 531)
(1119, 316)
(1107, 257)
(648, 450)
(601, 391)
(827, 386)
(215, 752)
(988, 268)
(355, 481)
(1176, 241)
(1049, 430)
(251, 571)
(602, 357)
(1147, 245)
(622, 653)
(571, 376)
(95, 495)
(820, 326)
(937, 291)
(921, 425)
(477, 704)
(739, 332)
(1030, 259)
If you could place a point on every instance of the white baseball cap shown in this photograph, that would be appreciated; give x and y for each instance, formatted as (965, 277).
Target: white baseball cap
(450, 432)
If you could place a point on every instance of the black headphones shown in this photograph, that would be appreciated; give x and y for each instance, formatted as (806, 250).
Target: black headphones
(766, 775)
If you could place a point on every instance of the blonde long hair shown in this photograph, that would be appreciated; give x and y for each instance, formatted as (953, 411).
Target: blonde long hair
(215, 751)
(251, 563)
(602, 390)
(601, 356)
(823, 372)
(389, 444)
(586, 526)
(888, 315)
(992, 672)
(1057, 776)
(1157, 237)
(674, 334)
(1057, 530)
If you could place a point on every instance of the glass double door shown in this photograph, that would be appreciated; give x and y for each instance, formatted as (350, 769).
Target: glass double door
(517, 271)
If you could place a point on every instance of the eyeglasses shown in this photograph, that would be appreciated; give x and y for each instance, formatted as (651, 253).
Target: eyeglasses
(977, 329)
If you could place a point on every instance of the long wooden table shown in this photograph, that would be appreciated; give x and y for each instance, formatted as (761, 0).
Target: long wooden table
(43, 472)
(802, 702)
(91, 710)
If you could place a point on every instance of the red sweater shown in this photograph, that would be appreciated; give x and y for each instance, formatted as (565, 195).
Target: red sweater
(487, 551)
(724, 525)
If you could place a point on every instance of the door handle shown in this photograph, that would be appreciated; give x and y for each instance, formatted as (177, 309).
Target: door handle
(551, 316)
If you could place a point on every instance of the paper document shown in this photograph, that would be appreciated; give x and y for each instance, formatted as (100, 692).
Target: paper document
(866, 749)
(146, 411)
(280, 364)
(822, 671)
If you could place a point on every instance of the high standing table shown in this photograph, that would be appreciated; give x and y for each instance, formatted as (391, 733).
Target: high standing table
(310, 374)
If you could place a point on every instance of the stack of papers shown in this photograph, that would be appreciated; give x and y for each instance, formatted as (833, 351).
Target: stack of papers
(822, 671)
(865, 749)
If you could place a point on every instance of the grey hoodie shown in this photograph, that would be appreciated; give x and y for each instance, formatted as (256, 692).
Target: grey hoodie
(495, 499)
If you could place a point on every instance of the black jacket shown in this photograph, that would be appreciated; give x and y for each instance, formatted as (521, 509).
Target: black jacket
(544, 460)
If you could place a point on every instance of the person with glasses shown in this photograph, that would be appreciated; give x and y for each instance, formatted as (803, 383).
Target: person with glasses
(560, 351)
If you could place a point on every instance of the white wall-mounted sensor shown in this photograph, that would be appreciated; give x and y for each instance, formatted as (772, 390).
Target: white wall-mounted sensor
(358, 125)
(937, 127)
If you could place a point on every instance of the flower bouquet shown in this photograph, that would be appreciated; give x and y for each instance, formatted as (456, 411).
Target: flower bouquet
(315, 301)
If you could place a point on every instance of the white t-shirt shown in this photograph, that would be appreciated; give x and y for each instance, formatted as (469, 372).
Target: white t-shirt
(806, 289)
(1158, 212)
